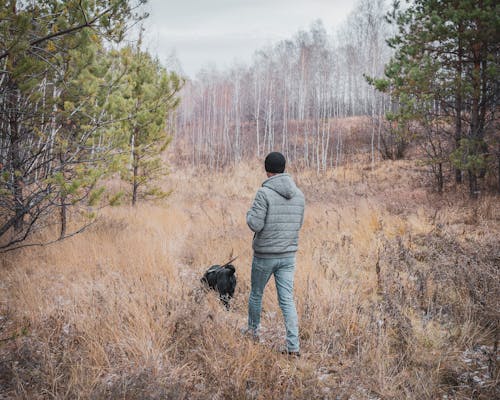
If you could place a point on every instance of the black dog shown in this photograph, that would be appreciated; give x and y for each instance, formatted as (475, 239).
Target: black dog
(221, 278)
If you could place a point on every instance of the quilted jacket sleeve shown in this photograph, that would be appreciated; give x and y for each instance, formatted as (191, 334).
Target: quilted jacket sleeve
(256, 216)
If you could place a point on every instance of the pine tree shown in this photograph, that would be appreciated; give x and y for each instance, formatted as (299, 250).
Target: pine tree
(445, 76)
(52, 107)
(150, 94)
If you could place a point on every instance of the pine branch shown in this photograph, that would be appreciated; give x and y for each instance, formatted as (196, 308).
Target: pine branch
(67, 31)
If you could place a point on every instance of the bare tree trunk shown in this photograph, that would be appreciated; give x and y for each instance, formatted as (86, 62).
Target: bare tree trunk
(63, 216)
(135, 169)
(372, 141)
(226, 126)
(257, 112)
(458, 105)
(475, 134)
(135, 180)
(440, 179)
(16, 160)
(237, 121)
(284, 134)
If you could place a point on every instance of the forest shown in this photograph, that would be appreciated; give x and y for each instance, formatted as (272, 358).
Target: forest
(417, 78)
(122, 180)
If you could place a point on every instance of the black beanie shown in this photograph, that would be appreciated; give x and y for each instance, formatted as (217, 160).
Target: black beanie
(275, 162)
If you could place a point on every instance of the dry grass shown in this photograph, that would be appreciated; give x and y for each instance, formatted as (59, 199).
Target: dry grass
(397, 293)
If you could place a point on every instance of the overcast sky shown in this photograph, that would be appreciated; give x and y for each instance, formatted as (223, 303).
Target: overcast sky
(220, 32)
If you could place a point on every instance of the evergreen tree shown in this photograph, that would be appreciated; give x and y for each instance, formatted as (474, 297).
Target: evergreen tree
(53, 98)
(149, 93)
(445, 76)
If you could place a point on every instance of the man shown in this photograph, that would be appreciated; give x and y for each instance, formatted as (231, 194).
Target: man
(276, 217)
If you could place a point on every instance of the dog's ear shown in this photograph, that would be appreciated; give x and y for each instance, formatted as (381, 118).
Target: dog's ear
(230, 268)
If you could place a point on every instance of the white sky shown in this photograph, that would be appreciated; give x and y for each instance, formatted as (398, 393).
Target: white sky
(221, 32)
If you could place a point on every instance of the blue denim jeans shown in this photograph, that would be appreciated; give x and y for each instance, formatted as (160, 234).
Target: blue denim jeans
(283, 270)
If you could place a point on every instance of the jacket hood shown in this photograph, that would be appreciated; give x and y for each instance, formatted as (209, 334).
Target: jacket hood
(282, 184)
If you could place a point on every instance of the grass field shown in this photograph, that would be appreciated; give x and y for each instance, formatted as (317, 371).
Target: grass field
(397, 291)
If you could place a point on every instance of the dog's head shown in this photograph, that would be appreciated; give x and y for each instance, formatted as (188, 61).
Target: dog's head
(229, 268)
(218, 273)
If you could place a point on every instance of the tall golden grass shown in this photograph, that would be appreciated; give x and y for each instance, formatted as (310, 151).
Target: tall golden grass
(396, 289)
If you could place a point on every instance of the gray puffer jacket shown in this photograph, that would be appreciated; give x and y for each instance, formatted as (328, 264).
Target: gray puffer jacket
(276, 217)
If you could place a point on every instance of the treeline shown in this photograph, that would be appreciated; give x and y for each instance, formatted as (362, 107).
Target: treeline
(424, 74)
(291, 96)
(74, 109)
